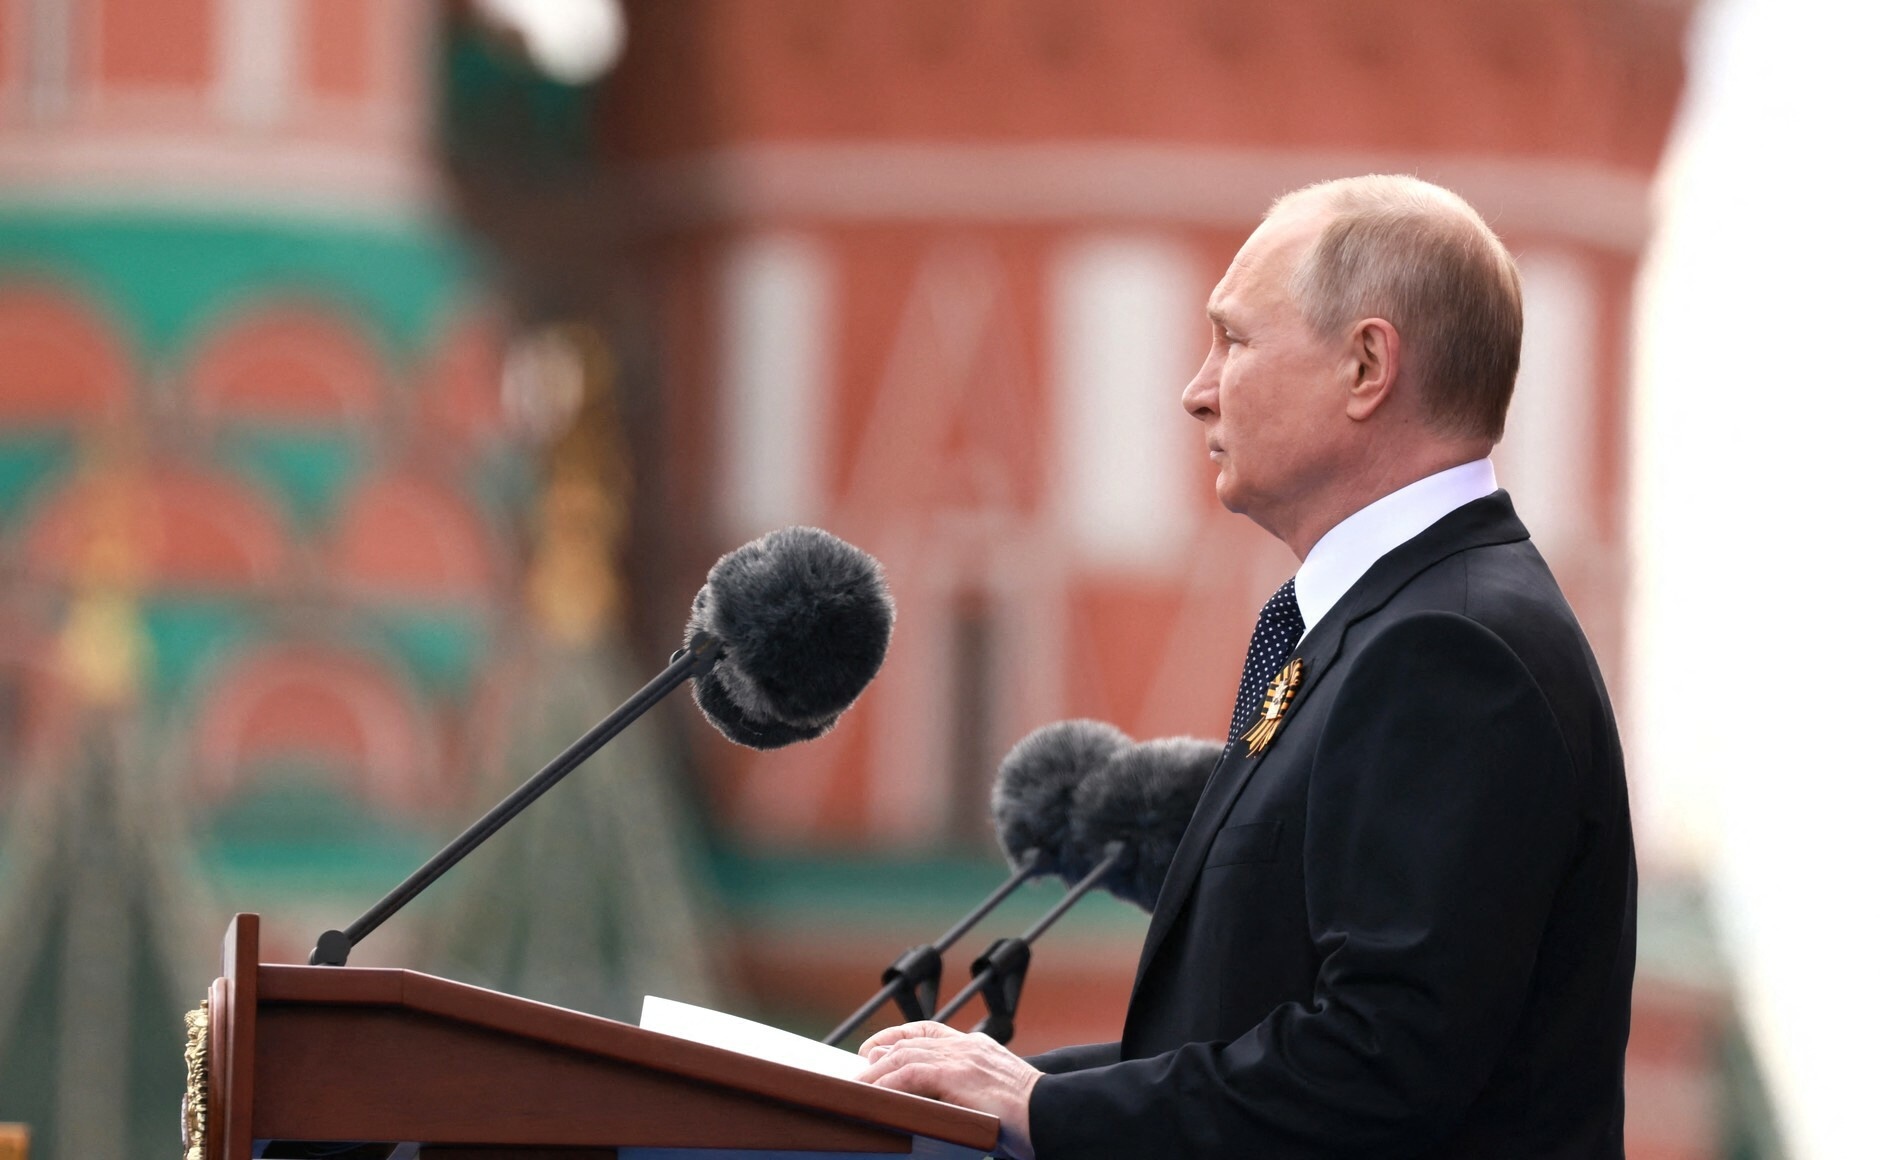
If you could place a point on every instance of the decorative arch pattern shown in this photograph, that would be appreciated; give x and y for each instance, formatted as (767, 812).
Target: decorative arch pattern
(187, 529)
(406, 536)
(65, 365)
(337, 709)
(288, 364)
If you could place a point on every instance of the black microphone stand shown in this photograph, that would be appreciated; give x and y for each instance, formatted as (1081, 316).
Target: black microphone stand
(913, 981)
(1000, 972)
(333, 947)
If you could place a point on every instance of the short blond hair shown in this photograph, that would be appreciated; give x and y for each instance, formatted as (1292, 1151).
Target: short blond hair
(1420, 257)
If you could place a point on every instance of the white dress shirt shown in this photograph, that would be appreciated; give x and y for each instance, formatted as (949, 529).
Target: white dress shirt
(1367, 535)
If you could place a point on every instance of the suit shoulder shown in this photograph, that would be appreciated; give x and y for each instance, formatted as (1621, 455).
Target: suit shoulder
(1436, 638)
(1509, 591)
(1434, 665)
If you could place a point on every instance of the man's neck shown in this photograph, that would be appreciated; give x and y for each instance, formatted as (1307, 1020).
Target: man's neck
(1343, 555)
(1369, 482)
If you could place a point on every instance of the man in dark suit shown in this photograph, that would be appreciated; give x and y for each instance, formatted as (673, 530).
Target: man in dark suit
(1401, 921)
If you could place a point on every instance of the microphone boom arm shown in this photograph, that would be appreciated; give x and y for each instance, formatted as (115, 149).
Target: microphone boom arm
(1006, 960)
(913, 981)
(334, 946)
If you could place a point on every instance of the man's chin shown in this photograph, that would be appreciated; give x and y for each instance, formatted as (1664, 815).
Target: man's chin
(1245, 505)
(1229, 496)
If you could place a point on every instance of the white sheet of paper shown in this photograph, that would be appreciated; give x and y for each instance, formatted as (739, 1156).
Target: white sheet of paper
(747, 1037)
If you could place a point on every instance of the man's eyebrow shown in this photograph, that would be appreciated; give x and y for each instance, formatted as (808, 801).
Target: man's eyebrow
(1217, 316)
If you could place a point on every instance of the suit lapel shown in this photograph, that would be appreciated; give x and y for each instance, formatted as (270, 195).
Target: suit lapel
(1490, 520)
(1230, 777)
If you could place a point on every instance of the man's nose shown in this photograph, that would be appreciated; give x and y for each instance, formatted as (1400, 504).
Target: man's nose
(1199, 395)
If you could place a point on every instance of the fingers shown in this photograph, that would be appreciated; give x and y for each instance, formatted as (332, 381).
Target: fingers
(973, 1071)
(915, 1055)
(899, 1064)
(926, 1029)
(916, 1077)
(916, 1049)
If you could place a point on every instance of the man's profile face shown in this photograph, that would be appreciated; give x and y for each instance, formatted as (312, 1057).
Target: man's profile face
(1269, 394)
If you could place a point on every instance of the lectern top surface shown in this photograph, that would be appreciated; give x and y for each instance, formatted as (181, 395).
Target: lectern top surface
(943, 1128)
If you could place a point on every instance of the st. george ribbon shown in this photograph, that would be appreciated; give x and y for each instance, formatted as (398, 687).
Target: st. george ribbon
(1125, 819)
(784, 636)
(1031, 804)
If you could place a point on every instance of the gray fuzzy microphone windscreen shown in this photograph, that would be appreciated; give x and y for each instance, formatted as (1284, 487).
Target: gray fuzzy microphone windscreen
(1031, 794)
(1143, 797)
(804, 619)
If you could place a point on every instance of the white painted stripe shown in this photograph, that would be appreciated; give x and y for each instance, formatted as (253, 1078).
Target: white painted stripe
(778, 292)
(255, 58)
(216, 174)
(1545, 458)
(1126, 338)
(1166, 185)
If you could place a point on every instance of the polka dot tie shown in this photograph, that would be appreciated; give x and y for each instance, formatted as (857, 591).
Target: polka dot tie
(1274, 639)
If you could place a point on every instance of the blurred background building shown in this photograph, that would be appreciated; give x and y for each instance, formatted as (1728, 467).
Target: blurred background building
(378, 381)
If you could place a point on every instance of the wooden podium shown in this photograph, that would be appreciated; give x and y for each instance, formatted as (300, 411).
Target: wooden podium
(298, 1059)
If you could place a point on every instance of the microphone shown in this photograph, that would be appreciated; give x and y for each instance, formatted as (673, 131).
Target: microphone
(1033, 791)
(783, 637)
(1031, 807)
(805, 620)
(1125, 820)
(1143, 797)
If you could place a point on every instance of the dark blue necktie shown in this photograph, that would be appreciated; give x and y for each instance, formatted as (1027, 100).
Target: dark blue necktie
(1274, 639)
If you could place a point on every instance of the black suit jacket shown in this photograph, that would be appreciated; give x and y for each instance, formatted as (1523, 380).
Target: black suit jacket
(1407, 927)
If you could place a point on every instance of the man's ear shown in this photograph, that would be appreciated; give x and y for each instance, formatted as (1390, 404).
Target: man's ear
(1376, 360)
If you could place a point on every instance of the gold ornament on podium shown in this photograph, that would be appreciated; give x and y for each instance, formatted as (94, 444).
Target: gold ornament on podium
(196, 1082)
(1279, 696)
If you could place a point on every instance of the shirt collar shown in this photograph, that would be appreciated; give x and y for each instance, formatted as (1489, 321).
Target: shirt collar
(1364, 537)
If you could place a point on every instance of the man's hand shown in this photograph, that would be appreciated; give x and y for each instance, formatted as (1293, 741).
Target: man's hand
(973, 1071)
